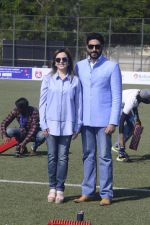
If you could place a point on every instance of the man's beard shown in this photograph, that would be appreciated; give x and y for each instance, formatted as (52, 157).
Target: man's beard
(95, 55)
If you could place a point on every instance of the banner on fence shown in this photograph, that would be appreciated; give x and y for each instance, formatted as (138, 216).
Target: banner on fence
(18, 73)
(135, 77)
(38, 73)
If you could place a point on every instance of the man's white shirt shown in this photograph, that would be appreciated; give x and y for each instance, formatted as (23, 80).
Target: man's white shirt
(129, 100)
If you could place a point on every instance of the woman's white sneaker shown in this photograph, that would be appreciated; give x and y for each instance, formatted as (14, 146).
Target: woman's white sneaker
(59, 197)
(52, 195)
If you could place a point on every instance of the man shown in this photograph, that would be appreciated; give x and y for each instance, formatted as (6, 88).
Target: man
(131, 99)
(102, 88)
(29, 130)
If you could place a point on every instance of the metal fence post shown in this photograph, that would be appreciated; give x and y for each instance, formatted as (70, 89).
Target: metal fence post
(109, 41)
(77, 39)
(142, 39)
(13, 42)
(45, 44)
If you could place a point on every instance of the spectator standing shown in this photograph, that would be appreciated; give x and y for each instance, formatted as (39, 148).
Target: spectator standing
(102, 90)
(60, 118)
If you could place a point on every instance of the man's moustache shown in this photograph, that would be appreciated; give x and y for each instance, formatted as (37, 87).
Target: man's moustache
(94, 52)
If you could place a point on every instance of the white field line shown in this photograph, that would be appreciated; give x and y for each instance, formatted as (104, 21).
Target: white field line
(70, 185)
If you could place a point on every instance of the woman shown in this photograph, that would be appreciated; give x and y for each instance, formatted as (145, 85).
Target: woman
(60, 110)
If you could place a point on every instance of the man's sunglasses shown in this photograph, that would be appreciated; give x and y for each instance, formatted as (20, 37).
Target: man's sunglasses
(64, 60)
(98, 47)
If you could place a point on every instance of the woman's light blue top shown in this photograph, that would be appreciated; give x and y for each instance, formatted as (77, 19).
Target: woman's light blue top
(60, 105)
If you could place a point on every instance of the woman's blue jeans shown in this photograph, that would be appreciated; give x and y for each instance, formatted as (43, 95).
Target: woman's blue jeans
(58, 151)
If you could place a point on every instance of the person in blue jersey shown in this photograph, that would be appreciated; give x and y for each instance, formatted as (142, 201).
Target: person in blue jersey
(102, 92)
(60, 109)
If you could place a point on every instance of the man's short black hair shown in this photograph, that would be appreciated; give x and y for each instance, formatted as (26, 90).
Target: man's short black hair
(96, 36)
(22, 103)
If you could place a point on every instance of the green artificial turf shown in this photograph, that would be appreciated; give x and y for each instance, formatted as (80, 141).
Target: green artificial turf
(25, 202)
